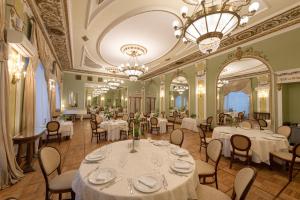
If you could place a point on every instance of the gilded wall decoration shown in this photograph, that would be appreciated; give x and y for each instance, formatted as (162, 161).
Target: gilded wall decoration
(281, 21)
(54, 16)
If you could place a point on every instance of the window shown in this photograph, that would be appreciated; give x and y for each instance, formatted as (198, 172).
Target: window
(237, 102)
(57, 95)
(42, 110)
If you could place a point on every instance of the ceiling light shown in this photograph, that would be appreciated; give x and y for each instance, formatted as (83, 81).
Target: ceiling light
(114, 83)
(133, 69)
(211, 21)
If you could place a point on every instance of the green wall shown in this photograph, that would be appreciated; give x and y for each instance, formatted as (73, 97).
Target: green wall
(290, 102)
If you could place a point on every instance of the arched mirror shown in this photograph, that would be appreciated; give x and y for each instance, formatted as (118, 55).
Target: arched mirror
(243, 92)
(179, 95)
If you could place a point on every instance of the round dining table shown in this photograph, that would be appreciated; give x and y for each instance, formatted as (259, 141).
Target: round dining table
(113, 128)
(262, 141)
(148, 159)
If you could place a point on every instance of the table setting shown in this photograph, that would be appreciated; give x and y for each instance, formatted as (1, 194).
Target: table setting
(114, 171)
(190, 124)
(262, 141)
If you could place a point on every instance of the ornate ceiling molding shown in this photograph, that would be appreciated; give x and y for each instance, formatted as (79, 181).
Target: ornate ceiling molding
(55, 19)
(78, 71)
(279, 22)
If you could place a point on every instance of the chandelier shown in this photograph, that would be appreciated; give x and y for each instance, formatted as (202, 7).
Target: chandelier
(103, 89)
(113, 83)
(180, 89)
(221, 83)
(132, 68)
(211, 21)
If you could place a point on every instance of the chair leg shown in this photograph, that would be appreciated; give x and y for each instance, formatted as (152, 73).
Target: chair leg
(291, 172)
(47, 194)
(60, 196)
(271, 161)
(216, 179)
(72, 195)
(231, 160)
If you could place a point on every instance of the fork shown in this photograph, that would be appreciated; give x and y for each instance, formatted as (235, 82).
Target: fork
(130, 185)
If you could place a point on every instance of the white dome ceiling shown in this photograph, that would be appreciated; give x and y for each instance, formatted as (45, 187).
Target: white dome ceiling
(152, 30)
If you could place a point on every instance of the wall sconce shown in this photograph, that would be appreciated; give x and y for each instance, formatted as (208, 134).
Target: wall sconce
(201, 89)
(262, 91)
(162, 94)
(15, 66)
(102, 98)
(52, 84)
(125, 98)
(172, 98)
(89, 98)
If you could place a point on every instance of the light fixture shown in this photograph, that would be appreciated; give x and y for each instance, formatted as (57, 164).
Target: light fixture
(132, 68)
(113, 83)
(263, 90)
(180, 88)
(221, 83)
(102, 89)
(15, 65)
(211, 21)
(51, 84)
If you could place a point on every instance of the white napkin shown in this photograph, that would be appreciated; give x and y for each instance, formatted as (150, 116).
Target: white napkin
(180, 151)
(102, 176)
(182, 165)
(148, 181)
(94, 156)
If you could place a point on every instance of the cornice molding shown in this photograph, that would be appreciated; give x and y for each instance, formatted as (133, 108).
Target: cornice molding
(78, 71)
(274, 24)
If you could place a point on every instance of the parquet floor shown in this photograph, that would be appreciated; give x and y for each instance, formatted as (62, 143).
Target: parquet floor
(267, 185)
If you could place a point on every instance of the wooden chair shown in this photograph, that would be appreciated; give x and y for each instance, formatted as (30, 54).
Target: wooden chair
(262, 124)
(285, 131)
(154, 125)
(240, 147)
(97, 132)
(53, 130)
(221, 120)
(203, 139)
(93, 117)
(207, 125)
(171, 123)
(242, 184)
(290, 158)
(99, 120)
(240, 116)
(246, 124)
(50, 162)
(163, 114)
(128, 131)
(144, 124)
(131, 115)
(125, 117)
(213, 154)
(177, 137)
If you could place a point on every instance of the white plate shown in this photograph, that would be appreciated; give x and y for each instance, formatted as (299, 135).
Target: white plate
(184, 171)
(94, 157)
(146, 189)
(179, 151)
(108, 173)
(161, 143)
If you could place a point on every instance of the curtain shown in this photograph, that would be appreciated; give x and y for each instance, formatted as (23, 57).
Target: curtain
(28, 120)
(57, 97)
(10, 172)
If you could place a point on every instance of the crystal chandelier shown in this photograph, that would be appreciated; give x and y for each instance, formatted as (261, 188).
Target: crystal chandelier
(221, 83)
(103, 89)
(132, 68)
(180, 89)
(211, 21)
(113, 83)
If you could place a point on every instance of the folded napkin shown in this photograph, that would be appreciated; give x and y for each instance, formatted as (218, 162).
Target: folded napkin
(102, 176)
(182, 165)
(148, 181)
(94, 156)
(180, 151)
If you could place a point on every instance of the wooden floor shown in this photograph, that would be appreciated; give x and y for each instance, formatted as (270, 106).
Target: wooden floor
(267, 185)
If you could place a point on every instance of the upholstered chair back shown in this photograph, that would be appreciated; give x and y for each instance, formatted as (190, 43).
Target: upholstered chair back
(99, 119)
(242, 183)
(284, 130)
(213, 150)
(177, 137)
(246, 124)
(262, 123)
(209, 120)
(153, 121)
(49, 159)
(93, 125)
(93, 117)
(53, 126)
(240, 142)
(125, 117)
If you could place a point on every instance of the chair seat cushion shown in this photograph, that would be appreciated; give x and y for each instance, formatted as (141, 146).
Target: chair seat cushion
(243, 153)
(62, 181)
(204, 168)
(205, 192)
(284, 156)
(100, 130)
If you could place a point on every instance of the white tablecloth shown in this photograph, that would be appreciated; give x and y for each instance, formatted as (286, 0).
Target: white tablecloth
(162, 124)
(113, 128)
(136, 164)
(190, 123)
(66, 128)
(262, 142)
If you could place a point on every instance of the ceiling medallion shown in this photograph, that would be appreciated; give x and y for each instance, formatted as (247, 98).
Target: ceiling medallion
(211, 21)
(132, 68)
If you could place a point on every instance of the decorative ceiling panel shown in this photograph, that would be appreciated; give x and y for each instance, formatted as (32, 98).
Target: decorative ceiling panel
(281, 21)
(54, 16)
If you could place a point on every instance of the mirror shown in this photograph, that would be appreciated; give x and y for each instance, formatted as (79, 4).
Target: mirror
(73, 99)
(179, 95)
(243, 89)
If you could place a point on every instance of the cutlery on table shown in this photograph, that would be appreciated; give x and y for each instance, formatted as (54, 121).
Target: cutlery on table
(110, 183)
(130, 186)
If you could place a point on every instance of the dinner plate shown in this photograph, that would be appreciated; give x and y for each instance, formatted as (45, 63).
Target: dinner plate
(179, 151)
(161, 143)
(140, 186)
(181, 163)
(102, 176)
(96, 156)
